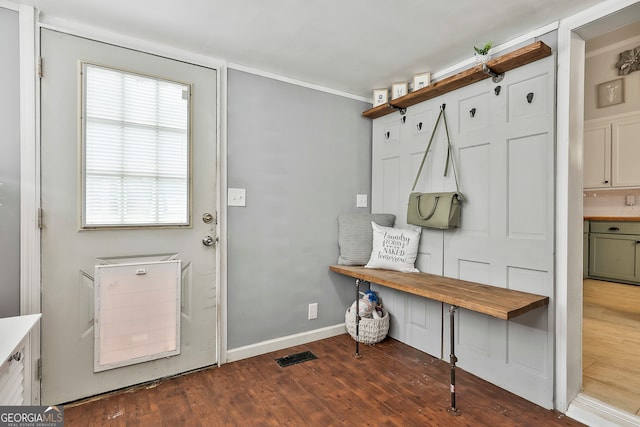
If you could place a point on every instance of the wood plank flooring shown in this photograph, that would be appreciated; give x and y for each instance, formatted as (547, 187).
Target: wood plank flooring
(391, 385)
(611, 344)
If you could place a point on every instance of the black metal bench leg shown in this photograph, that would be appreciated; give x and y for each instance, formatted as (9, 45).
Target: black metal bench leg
(357, 355)
(452, 361)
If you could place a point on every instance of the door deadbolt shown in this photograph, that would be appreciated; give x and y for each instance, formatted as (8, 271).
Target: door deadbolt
(207, 218)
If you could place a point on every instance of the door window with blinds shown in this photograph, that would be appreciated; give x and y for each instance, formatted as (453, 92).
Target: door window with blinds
(135, 150)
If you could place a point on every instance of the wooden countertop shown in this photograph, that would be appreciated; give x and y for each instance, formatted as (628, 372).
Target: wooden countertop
(613, 218)
(497, 302)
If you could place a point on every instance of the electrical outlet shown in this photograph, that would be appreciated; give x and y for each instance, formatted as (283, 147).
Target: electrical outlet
(361, 200)
(313, 311)
(631, 200)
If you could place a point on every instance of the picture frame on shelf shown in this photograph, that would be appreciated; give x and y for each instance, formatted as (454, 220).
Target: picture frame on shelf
(611, 93)
(421, 81)
(380, 96)
(399, 89)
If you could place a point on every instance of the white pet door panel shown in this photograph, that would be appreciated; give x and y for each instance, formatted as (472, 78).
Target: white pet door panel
(137, 315)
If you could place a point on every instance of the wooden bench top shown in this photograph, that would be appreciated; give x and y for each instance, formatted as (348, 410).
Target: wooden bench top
(497, 302)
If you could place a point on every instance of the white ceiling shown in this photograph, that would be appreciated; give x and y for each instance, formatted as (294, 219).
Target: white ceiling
(347, 45)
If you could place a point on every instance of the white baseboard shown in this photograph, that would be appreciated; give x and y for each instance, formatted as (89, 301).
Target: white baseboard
(593, 412)
(284, 342)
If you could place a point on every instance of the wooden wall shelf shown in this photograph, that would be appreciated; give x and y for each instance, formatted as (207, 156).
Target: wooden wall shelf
(502, 64)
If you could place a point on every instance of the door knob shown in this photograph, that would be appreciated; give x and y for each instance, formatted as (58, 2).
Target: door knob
(208, 241)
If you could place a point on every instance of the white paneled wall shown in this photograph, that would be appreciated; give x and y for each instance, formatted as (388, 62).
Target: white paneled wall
(504, 155)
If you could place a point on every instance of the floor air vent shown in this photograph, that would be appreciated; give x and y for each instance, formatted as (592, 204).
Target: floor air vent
(294, 359)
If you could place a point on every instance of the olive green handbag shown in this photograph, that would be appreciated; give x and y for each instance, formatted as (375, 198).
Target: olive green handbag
(436, 210)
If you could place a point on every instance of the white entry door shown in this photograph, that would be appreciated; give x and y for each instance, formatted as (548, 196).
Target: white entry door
(72, 245)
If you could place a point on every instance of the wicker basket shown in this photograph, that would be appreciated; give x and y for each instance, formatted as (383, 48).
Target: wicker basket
(371, 330)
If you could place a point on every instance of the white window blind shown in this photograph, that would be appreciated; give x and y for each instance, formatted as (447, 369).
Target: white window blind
(136, 149)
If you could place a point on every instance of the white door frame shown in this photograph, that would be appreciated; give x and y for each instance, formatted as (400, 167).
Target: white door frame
(30, 287)
(29, 193)
(569, 213)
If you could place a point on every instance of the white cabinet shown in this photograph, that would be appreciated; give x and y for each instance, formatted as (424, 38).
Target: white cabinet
(625, 152)
(15, 359)
(611, 153)
(597, 155)
(12, 381)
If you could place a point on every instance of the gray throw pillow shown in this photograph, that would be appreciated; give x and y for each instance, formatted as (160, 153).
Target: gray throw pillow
(355, 236)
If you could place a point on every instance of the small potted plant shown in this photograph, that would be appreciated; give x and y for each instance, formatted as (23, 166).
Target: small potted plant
(482, 53)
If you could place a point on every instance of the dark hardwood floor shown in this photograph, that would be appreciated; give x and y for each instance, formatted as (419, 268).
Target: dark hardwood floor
(391, 385)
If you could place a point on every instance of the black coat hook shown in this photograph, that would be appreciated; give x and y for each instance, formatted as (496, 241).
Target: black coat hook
(419, 126)
(472, 112)
(387, 135)
(403, 119)
(497, 90)
(530, 97)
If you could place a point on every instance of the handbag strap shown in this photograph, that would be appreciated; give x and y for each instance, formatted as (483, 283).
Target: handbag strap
(449, 150)
(433, 209)
(433, 133)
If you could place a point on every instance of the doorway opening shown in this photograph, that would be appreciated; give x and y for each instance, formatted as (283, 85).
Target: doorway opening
(610, 307)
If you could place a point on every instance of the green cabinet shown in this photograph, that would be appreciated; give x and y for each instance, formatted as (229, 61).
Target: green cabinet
(585, 250)
(614, 251)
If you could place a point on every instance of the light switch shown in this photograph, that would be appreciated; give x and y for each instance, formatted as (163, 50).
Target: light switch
(361, 200)
(236, 197)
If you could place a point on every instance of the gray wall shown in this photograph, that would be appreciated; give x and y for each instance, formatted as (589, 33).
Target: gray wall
(9, 164)
(302, 156)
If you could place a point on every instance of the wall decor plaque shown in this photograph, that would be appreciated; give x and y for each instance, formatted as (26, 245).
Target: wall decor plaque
(611, 93)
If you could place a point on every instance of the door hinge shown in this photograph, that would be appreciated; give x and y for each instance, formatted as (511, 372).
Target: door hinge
(39, 67)
(40, 369)
(40, 218)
